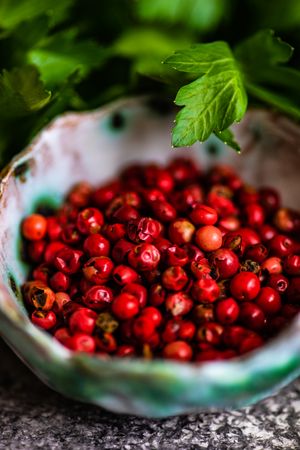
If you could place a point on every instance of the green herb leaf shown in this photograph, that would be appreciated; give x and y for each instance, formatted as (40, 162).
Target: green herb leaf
(60, 55)
(13, 12)
(261, 50)
(228, 138)
(199, 15)
(21, 92)
(147, 47)
(262, 57)
(213, 101)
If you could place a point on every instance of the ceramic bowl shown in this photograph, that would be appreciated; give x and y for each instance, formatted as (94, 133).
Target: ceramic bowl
(93, 146)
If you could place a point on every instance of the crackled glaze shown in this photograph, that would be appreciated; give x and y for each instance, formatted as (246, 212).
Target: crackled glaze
(94, 146)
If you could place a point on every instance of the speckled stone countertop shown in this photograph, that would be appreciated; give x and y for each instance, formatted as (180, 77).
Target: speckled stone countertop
(34, 417)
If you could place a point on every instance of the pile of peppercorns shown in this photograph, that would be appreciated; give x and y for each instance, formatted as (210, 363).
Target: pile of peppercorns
(164, 262)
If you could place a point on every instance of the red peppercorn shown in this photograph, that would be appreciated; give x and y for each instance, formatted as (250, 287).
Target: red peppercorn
(272, 265)
(123, 275)
(287, 220)
(210, 332)
(157, 294)
(42, 273)
(193, 252)
(152, 195)
(82, 342)
(125, 351)
(267, 232)
(59, 281)
(69, 308)
(34, 227)
(96, 245)
(254, 215)
(98, 270)
(70, 235)
(247, 195)
(184, 199)
(39, 295)
(106, 342)
(204, 313)
(291, 265)
(68, 260)
(181, 231)
(176, 256)
(62, 335)
(51, 251)
(125, 213)
(250, 343)
(229, 223)
(35, 250)
(105, 194)
(203, 215)
(143, 328)
(225, 262)
(252, 316)
(163, 211)
(219, 197)
(44, 319)
(144, 229)
(245, 286)
(144, 257)
(174, 278)
(227, 311)
(178, 350)
(98, 297)
(83, 321)
(278, 282)
(257, 253)
(187, 330)
(125, 306)
(120, 250)
(114, 231)
(183, 170)
(269, 199)
(205, 290)
(233, 335)
(138, 291)
(162, 245)
(209, 355)
(281, 246)
(268, 300)
(89, 221)
(208, 238)
(80, 194)
(158, 178)
(154, 314)
(61, 299)
(54, 228)
(179, 304)
(201, 269)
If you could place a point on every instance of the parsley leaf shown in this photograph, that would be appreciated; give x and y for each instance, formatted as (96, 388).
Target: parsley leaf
(21, 92)
(213, 101)
(266, 78)
(60, 55)
(147, 47)
(228, 138)
(13, 12)
(199, 15)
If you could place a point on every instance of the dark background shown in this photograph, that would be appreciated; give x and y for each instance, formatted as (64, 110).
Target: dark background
(33, 416)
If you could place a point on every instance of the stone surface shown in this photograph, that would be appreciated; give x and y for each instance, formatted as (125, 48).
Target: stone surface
(32, 417)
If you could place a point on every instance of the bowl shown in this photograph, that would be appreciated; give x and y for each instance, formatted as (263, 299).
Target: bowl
(93, 146)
